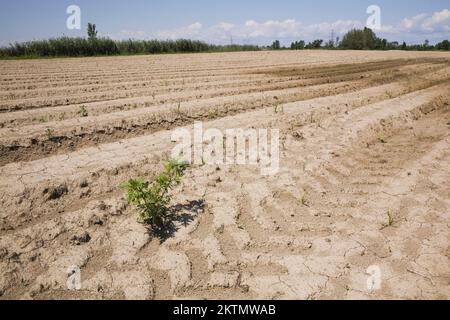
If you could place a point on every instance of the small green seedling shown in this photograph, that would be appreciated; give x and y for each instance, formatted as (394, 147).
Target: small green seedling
(304, 200)
(311, 297)
(221, 229)
(83, 111)
(382, 139)
(179, 112)
(278, 109)
(152, 199)
(390, 219)
(49, 132)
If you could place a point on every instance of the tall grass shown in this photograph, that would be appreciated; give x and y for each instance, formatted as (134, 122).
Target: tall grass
(81, 47)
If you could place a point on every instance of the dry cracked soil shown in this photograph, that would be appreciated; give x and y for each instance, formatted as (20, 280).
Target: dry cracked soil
(363, 182)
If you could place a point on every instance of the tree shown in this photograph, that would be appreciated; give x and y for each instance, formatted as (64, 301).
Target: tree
(330, 44)
(393, 45)
(298, 45)
(404, 46)
(316, 44)
(370, 38)
(381, 44)
(359, 40)
(276, 45)
(444, 45)
(92, 31)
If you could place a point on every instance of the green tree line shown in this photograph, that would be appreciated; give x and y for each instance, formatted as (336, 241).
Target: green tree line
(355, 39)
(366, 39)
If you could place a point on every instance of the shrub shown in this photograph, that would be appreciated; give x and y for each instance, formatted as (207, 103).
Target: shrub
(94, 46)
(152, 199)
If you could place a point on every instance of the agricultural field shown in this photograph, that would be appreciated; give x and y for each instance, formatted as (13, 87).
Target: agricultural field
(363, 180)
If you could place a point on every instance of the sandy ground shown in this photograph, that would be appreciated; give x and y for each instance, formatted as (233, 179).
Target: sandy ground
(362, 186)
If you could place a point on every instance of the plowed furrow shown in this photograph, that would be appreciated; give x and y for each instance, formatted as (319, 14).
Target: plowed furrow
(23, 103)
(362, 182)
(38, 140)
(35, 114)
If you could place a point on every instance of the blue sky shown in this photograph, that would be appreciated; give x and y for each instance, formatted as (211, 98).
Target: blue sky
(244, 21)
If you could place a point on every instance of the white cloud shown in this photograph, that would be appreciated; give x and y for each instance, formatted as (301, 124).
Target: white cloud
(413, 22)
(269, 29)
(225, 26)
(339, 27)
(253, 31)
(425, 23)
(220, 33)
(284, 28)
(421, 26)
(439, 20)
(193, 31)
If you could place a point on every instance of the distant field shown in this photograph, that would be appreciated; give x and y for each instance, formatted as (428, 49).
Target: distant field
(363, 181)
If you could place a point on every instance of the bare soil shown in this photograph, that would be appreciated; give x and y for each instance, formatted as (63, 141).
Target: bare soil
(363, 179)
